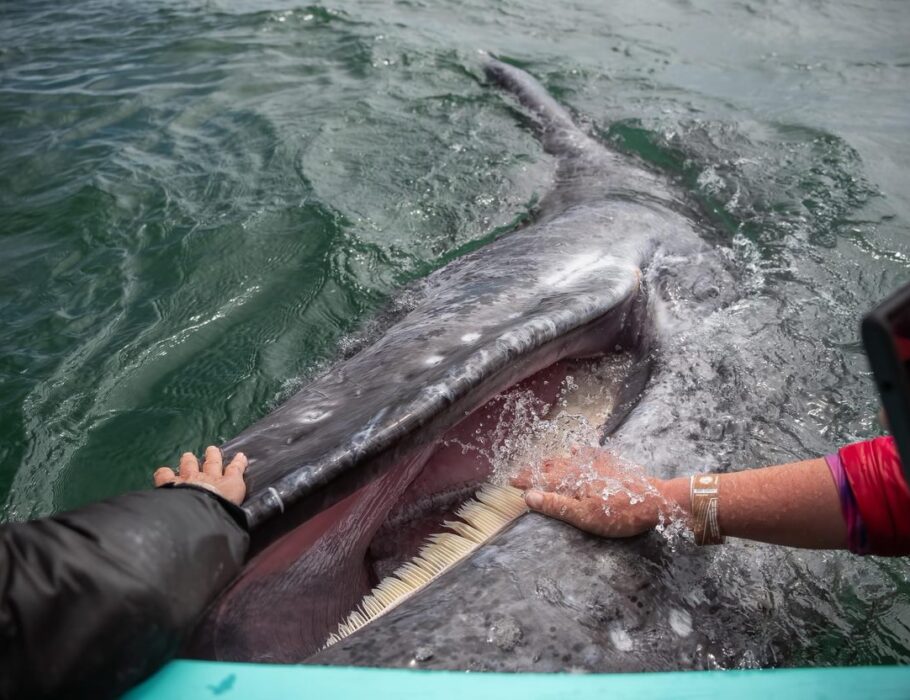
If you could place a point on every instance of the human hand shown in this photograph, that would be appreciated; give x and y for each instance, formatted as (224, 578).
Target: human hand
(595, 492)
(227, 481)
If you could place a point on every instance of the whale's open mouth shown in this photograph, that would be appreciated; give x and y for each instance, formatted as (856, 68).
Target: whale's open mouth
(296, 590)
(566, 405)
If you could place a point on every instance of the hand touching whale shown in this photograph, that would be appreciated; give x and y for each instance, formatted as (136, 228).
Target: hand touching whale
(597, 492)
(793, 504)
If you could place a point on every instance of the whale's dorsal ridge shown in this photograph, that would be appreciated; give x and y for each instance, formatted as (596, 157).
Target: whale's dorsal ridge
(559, 134)
(587, 168)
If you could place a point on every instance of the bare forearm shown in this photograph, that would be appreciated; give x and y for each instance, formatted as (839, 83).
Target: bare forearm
(793, 504)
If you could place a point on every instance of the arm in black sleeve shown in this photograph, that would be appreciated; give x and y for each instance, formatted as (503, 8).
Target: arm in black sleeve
(94, 600)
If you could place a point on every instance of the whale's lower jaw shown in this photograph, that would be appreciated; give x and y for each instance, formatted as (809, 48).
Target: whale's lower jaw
(541, 597)
(294, 592)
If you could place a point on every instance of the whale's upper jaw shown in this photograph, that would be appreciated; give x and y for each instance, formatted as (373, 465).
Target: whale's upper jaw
(486, 322)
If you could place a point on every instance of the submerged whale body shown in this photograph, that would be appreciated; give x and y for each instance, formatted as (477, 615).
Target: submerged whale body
(349, 474)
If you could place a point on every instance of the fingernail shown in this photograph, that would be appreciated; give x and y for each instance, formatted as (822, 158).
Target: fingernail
(534, 499)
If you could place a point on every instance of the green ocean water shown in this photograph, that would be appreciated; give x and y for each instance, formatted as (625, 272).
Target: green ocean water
(202, 202)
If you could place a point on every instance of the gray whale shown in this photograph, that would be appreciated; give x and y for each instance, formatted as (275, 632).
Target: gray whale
(368, 439)
(555, 289)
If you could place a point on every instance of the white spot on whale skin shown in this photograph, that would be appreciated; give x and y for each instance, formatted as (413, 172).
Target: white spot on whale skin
(681, 622)
(470, 337)
(313, 416)
(621, 639)
(433, 360)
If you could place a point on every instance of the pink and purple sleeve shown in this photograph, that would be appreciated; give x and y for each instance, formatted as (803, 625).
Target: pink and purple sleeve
(874, 497)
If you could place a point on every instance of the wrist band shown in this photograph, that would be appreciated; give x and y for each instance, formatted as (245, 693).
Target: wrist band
(703, 495)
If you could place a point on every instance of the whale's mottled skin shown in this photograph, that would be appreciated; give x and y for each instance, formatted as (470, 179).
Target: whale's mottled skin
(329, 465)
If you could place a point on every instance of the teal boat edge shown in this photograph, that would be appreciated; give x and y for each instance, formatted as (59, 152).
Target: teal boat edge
(227, 681)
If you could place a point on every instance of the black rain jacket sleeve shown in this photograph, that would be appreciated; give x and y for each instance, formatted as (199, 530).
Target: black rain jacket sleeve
(93, 601)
